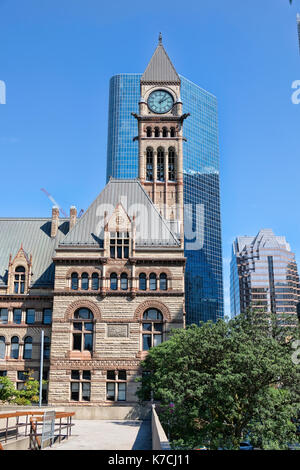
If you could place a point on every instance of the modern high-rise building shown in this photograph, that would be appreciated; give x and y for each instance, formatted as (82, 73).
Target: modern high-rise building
(203, 248)
(264, 275)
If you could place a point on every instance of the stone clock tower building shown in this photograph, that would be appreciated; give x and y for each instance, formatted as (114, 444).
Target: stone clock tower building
(160, 138)
(108, 286)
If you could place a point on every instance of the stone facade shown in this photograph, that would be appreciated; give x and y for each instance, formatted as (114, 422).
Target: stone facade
(117, 285)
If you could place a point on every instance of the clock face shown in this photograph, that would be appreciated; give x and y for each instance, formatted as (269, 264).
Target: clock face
(160, 101)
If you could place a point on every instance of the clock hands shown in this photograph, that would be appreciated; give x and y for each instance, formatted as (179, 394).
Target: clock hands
(164, 99)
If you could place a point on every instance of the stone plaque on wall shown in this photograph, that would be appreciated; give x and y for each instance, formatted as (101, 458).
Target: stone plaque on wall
(117, 331)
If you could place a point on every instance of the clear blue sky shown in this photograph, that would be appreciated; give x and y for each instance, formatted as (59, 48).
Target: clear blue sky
(56, 58)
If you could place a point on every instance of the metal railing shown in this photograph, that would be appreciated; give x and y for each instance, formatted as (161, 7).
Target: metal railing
(30, 426)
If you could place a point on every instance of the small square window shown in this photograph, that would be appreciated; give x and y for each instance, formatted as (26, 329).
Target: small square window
(86, 375)
(111, 375)
(75, 375)
(122, 375)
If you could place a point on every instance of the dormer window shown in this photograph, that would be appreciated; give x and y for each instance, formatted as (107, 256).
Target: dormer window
(119, 245)
(19, 280)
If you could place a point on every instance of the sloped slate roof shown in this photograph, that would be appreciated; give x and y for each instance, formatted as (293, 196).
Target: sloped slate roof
(160, 68)
(34, 235)
(151, 228)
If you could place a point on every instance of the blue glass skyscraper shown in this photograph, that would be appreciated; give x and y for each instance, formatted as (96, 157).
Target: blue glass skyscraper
(203, 247)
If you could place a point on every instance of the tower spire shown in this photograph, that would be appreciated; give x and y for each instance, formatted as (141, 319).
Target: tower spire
(160, 38)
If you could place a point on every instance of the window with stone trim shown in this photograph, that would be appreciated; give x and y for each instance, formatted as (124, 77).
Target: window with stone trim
(14, 347)
(30, 316)
(3, 316)
(95, 281)
(142, 281)
(163, 281)
(152, 281)
(19, 280)
(84, 281)
(171, 164)
(3, 373)
(27, 349)
(113, 281)
(124, 281)
(47, 316)
(119, 245)
(17, 315)
(149, 164)
(2, 347)
(21, 379)
(83, 330)
(152, 328)
(116, 385)
(160, 164)
(74, 281)
(80, 385)
(47, 347)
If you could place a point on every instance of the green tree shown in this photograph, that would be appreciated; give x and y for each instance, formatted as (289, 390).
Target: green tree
(226, 380)
(7, 390)
(28, 395)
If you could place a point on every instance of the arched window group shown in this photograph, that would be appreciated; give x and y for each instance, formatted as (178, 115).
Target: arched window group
(154, 282)
(165, 162)
(85, 282)
(114, 281)
(160, 132)
(15, 350)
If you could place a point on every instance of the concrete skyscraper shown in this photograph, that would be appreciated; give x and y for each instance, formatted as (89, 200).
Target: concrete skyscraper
(264, 274)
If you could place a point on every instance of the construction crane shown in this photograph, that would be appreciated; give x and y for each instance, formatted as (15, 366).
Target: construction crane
(55, 203)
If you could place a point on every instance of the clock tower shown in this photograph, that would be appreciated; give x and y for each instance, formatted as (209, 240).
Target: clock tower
(160, 138)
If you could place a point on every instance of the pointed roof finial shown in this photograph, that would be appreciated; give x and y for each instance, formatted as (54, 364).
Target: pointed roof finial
(160, 38)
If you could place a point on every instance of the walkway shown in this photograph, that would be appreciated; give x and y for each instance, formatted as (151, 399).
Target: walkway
(107, 435)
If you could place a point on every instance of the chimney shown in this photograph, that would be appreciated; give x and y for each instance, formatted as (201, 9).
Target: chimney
(73, 216)
(54, 221)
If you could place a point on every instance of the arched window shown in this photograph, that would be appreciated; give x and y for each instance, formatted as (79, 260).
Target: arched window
(171, 164)
(172, 132)
(156, 131)
(19, 283)
(124, 281)
(163, 284)
(165, 132)
(113, 281)
(84, 281)
(160, 164)
(27, 352)
(46, 347)
(2, 347)
(152, 281)
(14, 349)
(152, 328)
(149, 132)
(74, 281)
(83, 330)
(142, 281)
(149, 165)
(95, 281)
